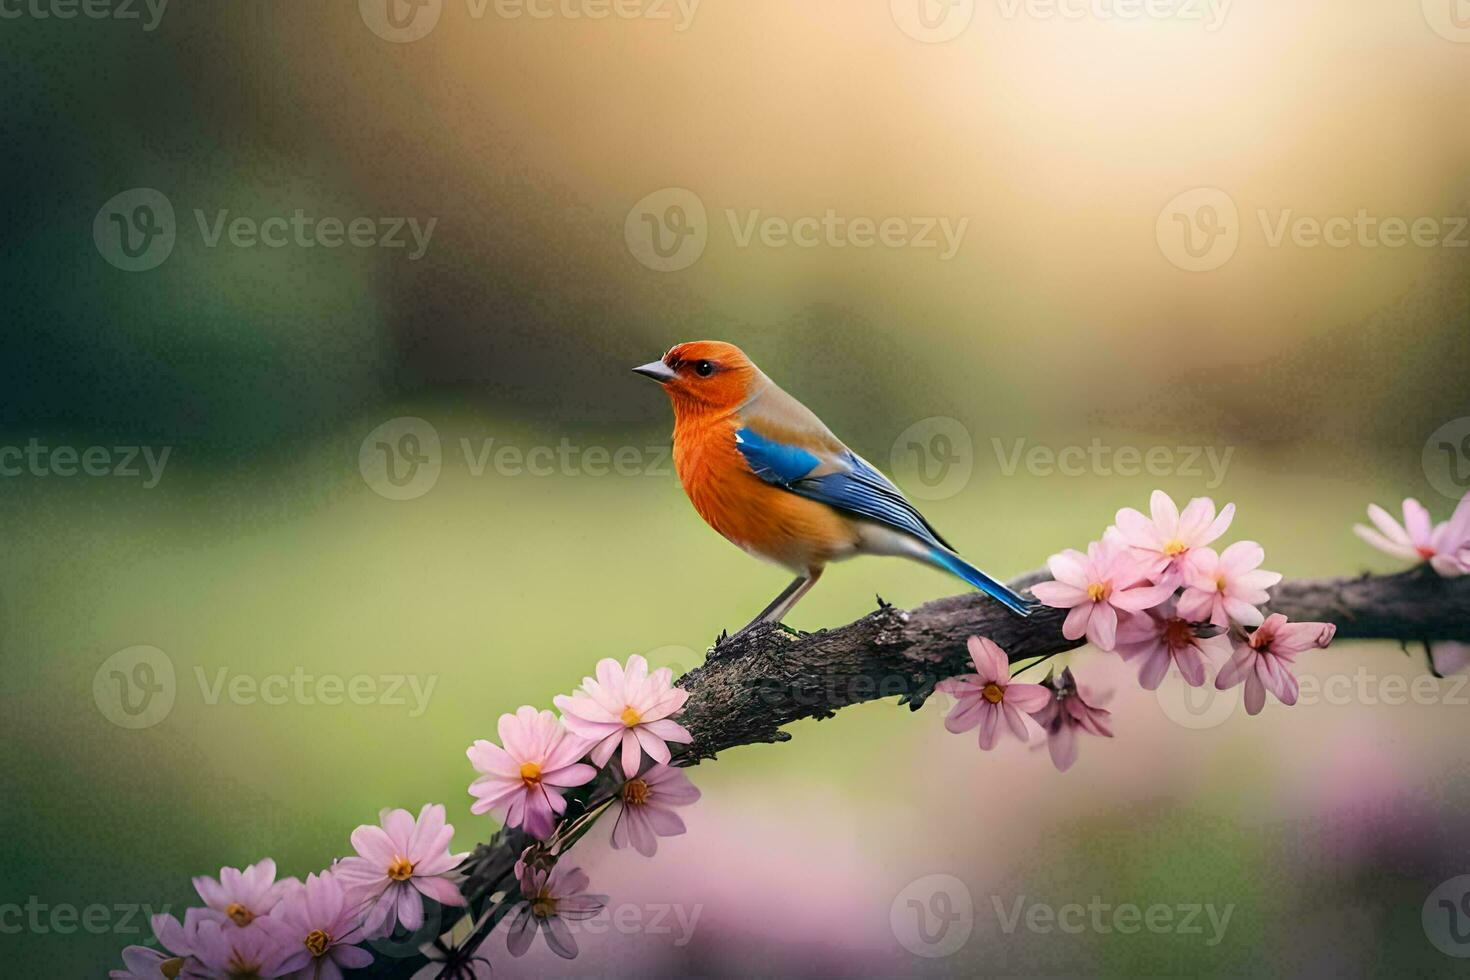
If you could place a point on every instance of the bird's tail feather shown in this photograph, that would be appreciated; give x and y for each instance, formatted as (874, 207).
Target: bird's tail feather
(955, 565)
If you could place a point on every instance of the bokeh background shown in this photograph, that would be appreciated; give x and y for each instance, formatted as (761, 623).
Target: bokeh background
(271, 542)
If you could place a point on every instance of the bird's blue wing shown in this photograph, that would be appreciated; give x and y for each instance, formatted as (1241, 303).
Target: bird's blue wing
(844, 480)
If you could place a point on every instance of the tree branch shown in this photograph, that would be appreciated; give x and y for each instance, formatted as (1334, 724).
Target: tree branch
(752, 685)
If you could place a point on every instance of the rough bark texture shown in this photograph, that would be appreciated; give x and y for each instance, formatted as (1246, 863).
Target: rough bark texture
(752, 685)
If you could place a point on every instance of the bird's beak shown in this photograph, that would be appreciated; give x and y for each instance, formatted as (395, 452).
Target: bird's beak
(657, 370)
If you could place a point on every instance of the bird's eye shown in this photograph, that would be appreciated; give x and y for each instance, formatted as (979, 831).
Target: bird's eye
(704, 368)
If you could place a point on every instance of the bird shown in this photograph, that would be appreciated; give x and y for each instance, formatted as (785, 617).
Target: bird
(764, 472)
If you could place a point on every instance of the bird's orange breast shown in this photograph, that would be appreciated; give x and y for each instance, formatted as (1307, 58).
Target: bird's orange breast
(763, 519)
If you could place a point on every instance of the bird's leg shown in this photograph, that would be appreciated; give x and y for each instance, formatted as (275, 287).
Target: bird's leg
(783, 604)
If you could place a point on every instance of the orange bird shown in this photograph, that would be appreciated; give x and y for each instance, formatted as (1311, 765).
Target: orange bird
(764, 471)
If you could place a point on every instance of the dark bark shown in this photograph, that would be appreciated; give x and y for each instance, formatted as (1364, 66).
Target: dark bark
(752, 685)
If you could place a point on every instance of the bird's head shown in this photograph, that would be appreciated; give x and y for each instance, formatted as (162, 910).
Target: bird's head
(704, 375)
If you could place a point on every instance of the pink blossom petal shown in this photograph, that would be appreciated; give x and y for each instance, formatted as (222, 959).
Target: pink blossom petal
(1059, 595)
(989, 725)
(1102, 626)
(1074, 627)
(1027, 697)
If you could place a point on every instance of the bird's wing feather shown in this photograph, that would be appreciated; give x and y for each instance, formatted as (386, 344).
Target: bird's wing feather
(793, 450)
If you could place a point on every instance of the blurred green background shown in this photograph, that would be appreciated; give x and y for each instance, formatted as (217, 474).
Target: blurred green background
(272, 373)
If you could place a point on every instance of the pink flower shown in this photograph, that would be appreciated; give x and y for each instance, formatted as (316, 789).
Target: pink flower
(238, 898)
(523, 781)
(629, 707)
(549, 900)
(1164, 544)
(1449, 658)
(398, 865)
(989, 695)
(645, 807)
(144, 963)
(1065, 713)
(1264, 659)
(1228, 586)
(1096, 586)
(1163, 636)
(223, 952)
(319, 930)
(1446, 546)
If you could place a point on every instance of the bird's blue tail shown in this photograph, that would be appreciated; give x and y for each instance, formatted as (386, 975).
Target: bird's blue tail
(955, 565)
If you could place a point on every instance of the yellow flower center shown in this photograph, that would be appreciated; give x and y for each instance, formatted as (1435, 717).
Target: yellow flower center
(239, 914)
(530, 773)
(1098, 591)
(1220, 583)
(635, 792)
(172, 968)
(543, 906)
(1175, 548)
(993, 693)
(631, 716)
(317, 942)
(401, 869)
